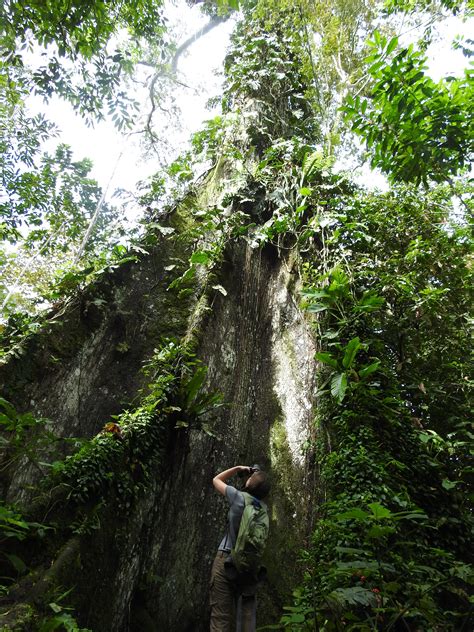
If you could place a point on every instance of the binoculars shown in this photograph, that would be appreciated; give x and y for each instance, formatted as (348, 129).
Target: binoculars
(254, 468)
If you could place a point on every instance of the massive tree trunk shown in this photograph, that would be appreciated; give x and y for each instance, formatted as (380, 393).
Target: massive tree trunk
(147, 566)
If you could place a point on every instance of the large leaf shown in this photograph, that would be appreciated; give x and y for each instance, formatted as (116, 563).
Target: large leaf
(200, 256)
(312, 162)
(194, 384)
(17, 563)
(314, 294)
(352, 348)
(378, 531)
(8, 408)
(379, 511)
(370, 303)
(314, 308)
(339, 386)
(368, 369)
(326, 358)
(355, 595)
(356, 514)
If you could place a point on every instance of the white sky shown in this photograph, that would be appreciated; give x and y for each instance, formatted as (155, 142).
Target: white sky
(198, 68)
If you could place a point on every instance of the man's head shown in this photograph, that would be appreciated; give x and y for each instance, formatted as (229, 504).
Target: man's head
(258, 484)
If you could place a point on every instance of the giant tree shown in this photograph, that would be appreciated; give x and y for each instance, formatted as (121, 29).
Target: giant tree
(334, 321)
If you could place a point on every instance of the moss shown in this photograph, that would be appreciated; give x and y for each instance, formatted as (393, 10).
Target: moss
(182, 220)
(196, 321)
(286, 524)
(21, 618)
(169, 318)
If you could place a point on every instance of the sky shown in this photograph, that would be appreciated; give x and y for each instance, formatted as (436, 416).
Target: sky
(119, 161)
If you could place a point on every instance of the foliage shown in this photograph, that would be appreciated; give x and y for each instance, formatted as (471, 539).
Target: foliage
(387, 283)
(386, 307)
(418, 130)
(25, 438)
(15, 527)
(415, 5)
(61, 621)
(47, 202)
(386, 286)
(331, 52)
(55, 200)
(280, 86)
(122, 459)
(44, 283)
(62, 617)
(76, 35)
(21, 137)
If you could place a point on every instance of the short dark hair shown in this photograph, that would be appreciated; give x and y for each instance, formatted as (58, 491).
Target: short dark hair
(258, 485)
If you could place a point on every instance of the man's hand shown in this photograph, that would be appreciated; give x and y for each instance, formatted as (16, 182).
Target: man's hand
(219, 480)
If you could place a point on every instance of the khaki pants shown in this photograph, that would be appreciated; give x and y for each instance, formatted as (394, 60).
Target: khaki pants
(230, 610)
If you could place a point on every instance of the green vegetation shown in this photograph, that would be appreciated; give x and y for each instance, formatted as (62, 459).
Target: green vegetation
(386, 290)
(390, 546)
(415, 128)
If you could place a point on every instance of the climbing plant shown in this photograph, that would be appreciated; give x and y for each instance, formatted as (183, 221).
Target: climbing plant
(385, 281)
(391, 389)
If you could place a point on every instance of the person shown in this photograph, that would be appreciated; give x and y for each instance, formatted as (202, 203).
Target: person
(226, 597)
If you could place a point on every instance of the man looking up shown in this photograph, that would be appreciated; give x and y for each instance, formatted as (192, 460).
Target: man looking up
(226, 590)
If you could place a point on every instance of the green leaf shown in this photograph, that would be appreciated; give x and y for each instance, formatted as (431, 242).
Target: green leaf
(186, 276)
(315, 308)
(339, 386)
(391, 45)
(350, 352)
(370, 303)
(51, 624)
(353, 596)
(356, 514)
(326, 358)
(17, 563)
(8, 408)
(296, 618)
(368, 369)
(447, 484)
(350, 549)
(377, 531)
(200, 256)
(311, 163)
(410, 516)
(379, 511)
(195, 383)
(314, 294)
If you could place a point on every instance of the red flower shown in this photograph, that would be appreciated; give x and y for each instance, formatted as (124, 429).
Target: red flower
(375, 590)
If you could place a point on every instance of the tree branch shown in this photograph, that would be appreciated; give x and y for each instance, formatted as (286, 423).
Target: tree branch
(174, 67)
(193, 38)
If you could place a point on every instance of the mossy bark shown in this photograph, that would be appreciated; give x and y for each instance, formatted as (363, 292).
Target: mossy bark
(153, 562)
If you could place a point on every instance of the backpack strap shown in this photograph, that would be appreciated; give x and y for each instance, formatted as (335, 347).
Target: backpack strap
(251, 500)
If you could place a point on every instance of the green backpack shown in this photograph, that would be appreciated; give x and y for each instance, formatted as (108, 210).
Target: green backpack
(252, 537)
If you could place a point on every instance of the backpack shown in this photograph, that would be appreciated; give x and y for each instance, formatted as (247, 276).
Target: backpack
(252, 537)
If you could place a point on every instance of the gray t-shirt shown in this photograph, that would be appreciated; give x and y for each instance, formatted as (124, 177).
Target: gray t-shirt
(237, 505)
